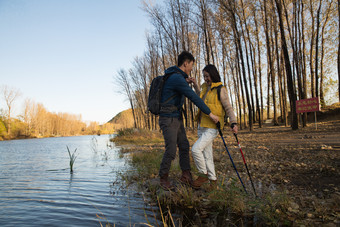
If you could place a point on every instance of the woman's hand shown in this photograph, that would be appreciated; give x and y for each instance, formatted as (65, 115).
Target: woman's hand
(234, 128)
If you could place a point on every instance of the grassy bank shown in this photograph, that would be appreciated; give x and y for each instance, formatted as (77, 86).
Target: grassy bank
(227, 205)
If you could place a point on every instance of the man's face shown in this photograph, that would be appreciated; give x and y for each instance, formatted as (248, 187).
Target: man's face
(188, 65)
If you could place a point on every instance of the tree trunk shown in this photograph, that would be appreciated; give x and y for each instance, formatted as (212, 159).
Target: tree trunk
(279, 73)
(273, 75)
(291, 91)
(237, 88)
(296, 53)
(312, 51)
(249, 53)
(243, 72)
(259, 69)
(230, 9)
(303, 59)
(317, 50)
(240, 84)
(281, 91)
(339, 50)
(322, 98)
(205, 30)
(270, 69)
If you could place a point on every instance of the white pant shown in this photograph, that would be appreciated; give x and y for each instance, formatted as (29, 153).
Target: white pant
(202, 151)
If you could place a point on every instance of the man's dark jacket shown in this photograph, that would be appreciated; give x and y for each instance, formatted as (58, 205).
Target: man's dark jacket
(176, 84)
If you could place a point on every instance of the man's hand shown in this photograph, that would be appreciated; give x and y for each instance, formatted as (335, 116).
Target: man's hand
(214, 118)
(191, 80)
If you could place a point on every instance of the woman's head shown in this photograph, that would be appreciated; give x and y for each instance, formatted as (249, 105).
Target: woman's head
(211, 71)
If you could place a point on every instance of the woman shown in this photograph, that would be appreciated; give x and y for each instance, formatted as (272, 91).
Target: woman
(207, 130)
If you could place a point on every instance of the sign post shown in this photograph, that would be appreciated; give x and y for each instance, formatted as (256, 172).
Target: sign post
(308, 105)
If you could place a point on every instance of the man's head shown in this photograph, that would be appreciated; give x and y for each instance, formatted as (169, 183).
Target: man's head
(185, 62)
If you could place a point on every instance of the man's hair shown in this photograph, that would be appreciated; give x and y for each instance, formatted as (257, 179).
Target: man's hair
(213, 73)
(183, 57)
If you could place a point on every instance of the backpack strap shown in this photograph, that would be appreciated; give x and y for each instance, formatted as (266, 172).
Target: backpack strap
(167, 109)
(219, 87)
(166, 76)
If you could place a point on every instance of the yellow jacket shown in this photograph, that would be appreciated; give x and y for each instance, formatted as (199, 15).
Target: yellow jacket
(210, 98)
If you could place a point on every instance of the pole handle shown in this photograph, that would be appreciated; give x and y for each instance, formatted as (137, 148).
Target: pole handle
(218, 125)
(235, 134)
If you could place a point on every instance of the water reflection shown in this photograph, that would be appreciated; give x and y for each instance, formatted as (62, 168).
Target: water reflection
(38, 189)
(70, 182)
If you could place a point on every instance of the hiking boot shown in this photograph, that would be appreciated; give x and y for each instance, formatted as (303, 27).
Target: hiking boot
(213, 185)
(165, 183)
(186, 177)
(200, 181)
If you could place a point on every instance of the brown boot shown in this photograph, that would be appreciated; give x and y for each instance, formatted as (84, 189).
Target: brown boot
(200, 181)
(165, 183)
(213, 185)
(186, 177)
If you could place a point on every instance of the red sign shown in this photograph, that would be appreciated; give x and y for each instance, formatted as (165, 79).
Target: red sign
(308, 105)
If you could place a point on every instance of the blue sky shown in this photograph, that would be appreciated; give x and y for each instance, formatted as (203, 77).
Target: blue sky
(64, 53)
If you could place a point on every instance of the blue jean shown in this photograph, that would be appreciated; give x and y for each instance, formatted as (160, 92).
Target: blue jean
(174, 136)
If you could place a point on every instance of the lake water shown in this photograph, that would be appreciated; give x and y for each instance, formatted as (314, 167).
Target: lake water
(37, 189)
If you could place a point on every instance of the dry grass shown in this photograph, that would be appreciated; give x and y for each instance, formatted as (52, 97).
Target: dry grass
(229, 197)
(294, 173)
(133, 136)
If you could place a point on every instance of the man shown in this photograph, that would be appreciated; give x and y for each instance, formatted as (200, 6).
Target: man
(171, 121)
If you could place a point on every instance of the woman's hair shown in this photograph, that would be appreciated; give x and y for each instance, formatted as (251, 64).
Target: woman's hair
(213, 73)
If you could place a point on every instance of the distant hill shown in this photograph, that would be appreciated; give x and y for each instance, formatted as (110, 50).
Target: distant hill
(123, 119)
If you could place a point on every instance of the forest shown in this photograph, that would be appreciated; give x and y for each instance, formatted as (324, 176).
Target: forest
(36, 121)
(269, 53)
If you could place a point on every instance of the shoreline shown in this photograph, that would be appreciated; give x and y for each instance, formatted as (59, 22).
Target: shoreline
(56, 136)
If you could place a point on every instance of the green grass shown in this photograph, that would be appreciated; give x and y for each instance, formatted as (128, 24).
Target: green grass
(147, 163)
(72, 158)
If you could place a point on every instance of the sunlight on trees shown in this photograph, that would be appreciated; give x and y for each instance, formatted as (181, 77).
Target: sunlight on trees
(269, 54)
(36, 121)
(10, 95)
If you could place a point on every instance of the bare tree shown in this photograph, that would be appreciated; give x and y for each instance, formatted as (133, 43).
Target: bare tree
(270, 55)
(230, 9)
(322, 57)
(291, 90)
(317, 49)
(233, 35)
(122, 81)
(259, 107)
(339, 50)
(9, 95)
(28, 115)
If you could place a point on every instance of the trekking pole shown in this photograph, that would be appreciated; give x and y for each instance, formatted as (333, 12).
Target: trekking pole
(244, 161)
(225, 145)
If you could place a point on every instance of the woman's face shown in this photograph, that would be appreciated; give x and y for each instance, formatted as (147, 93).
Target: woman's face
(207, 78)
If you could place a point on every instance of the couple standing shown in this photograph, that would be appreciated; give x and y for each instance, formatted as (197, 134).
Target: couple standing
(212, 108)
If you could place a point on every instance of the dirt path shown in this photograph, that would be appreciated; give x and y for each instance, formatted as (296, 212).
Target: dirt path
(304, 163)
